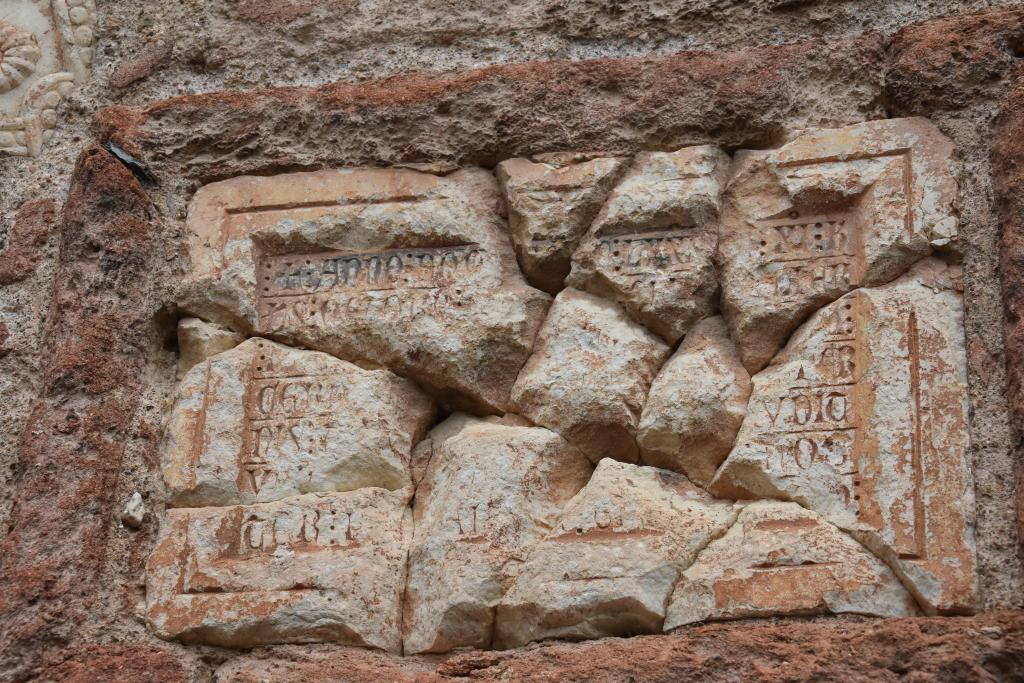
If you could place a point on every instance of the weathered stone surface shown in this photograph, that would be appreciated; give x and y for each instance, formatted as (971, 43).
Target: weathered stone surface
(491, 490)
(651, 248)
(388, 266)
(264, 421)
(551, 204)
(609, 565)
(778, 559)
(318, 567)
(830, 211)
(696, 405)
(590, 375)
(198, 340)
(863, 418)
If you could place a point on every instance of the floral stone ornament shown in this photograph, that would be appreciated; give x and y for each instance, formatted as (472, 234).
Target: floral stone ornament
(46, 48)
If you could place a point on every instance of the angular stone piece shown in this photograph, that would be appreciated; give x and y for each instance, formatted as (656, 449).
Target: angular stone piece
(392, 267)
(318, 567)
(551, 205)
(780, 559)
(589, 376)
(609, 566)
(491, 490)
(198, 340)
(264, 421)
(696, 405)
(652, 246)
(863, 418)
(831, 211)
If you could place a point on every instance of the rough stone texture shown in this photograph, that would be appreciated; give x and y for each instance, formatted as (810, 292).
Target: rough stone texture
(778, 559)
(651, 247)
(490, 491)
(198, 340)
(609, 565)
(696, 405)
(319, 567)
(589, 376)
(863, 418)
(24, 245)
(264, 421)
(550, 206)
(828, 212)
(389, 266)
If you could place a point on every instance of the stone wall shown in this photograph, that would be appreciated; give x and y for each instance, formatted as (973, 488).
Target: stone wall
(389, 343)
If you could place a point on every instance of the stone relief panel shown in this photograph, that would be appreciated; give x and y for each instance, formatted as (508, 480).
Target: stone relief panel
(762, 356)
(46, 48)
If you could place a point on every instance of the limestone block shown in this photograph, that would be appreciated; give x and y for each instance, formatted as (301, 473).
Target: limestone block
(392, 267)
(264, 421)
(318, 567)
(863, 418)
(830, 211)
(780, 559)
(696, 405)
(590, 375)
(551, 205)
(198, 340)
(491, 490)
(652, 246)
(608, 567)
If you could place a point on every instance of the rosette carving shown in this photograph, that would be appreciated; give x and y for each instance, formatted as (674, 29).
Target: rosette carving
(19, 53)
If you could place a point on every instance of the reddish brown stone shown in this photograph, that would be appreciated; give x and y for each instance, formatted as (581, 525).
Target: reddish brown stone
(115, 664)
(139, 67)
(28, 236)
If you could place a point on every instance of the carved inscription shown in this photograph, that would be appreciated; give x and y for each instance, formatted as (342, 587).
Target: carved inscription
(645, 258)
(296, 531)
(809, 256)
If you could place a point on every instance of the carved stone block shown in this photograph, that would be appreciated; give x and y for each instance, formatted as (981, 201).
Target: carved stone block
(831, 211)
(318, 567)
(394, 267)
(264, 421)
(863, 418)
(46, 49)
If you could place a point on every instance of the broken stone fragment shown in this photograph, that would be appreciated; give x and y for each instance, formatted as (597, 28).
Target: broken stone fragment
(324, 567)
(198, 340)
(780, 559)
(652, 246)
(863, 418)
(491, 490)
(134, 512)
(390, 267)
(264, 421)
(551, 205)
(830, 211)
(696, 405)
(589, 376)
(608, 567)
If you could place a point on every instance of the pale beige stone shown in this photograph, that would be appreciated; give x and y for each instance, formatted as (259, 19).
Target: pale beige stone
(696, 405)
(311, 568)
(780, 559)
(491, 490)
(590, 375)
(863, 418)
(609, 566)
(652, 246)
(550, 206)
(198, 340)
(264, 421)
(391, 267)
(830, 211)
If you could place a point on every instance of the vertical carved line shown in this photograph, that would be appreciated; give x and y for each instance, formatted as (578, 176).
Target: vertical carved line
(913, 343)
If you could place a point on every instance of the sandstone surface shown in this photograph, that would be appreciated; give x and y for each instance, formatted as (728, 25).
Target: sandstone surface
(590, 375)
(863, 418)
(696, 405)
(778, 559)
(395, 267)
(828, 212)
(609, 565)
(652, 246)
(198, 340)
(265, 421)
(318, 567)
(551, 205)
(491, 491)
